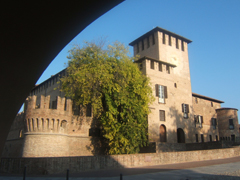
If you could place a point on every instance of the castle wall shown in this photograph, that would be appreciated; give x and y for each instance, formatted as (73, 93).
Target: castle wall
(13, 148)
(206, 109)
(14, 143)
(80, 146)
(38, 166)
(45, 145)
(225, 130)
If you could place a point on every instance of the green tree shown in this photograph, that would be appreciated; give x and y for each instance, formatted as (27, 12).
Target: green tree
(117, 90)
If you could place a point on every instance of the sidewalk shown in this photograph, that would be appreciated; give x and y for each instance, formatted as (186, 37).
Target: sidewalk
(210, 170)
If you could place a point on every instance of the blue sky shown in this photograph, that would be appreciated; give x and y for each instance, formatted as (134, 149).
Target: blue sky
(212, 25)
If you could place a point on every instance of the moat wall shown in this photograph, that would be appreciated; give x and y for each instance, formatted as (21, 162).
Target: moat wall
(52, 165)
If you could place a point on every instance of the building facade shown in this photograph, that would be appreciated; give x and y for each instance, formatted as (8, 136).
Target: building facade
(51, 126)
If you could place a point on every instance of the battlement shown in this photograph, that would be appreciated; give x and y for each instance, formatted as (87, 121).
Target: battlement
(61, 104)
(43, 118)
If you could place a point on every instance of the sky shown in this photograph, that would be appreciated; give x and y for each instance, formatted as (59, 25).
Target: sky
(212, 25)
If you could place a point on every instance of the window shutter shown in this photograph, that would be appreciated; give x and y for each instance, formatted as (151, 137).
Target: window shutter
(187, 108)
(157, 90)
(182, 107)
(215, 121)
(165, 92)
(195, 119)
(202, 118)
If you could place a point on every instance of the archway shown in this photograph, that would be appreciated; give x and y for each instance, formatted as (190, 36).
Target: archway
(180, 136)
(162, 132)
(42, 32)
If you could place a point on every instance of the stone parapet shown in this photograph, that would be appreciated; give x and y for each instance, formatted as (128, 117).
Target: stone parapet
(83, 163)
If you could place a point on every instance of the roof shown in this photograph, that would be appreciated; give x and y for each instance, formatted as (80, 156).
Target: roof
(225, 108)
(161, 30)
(52, 76)
(146, 57)
(207, 98)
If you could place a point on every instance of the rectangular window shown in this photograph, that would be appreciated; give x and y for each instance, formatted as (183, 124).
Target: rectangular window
(196, 135)
(153, 39)
(216, 138)
(54, 104)
(196, 100)
(185, 110)
(214, 123)
(160, 66)
(137, 47)
(89, 110)
(162, 115)
(202, 138)
(169, 40)
(200, 120)
(163, 39)
(177, 46)
(210, 138)
(161, 93)
(142, 44)
(148, 43)
(168, 69)
(152, 64)
(182, 45)
(231, 125)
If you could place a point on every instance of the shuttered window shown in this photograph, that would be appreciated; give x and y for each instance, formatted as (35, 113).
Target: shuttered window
(185, 110)
(161, 93)
(162, 115)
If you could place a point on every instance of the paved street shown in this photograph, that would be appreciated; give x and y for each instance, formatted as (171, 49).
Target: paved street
(209, 170)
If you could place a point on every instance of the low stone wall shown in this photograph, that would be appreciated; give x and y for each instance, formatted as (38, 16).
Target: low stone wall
(83, 163)
(173, 147)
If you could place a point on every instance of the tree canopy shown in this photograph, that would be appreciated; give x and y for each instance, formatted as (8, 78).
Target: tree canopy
(119, 93)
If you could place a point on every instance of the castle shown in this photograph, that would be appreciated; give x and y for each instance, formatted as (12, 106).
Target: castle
(51, 126)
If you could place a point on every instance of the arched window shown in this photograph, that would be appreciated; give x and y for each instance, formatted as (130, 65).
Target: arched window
(180, 135)
(162, 132)
(64, 124)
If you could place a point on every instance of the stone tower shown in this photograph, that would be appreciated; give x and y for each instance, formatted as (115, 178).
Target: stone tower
(163, 56)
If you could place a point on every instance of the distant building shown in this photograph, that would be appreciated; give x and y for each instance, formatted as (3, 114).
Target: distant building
(51, 126)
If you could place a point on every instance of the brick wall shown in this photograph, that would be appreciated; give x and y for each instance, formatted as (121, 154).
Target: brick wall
(83, 163)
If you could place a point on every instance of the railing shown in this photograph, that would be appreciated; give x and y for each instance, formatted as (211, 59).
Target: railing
(67, 174)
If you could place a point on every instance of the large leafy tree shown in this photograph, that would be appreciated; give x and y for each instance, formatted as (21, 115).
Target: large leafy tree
(117, 90)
